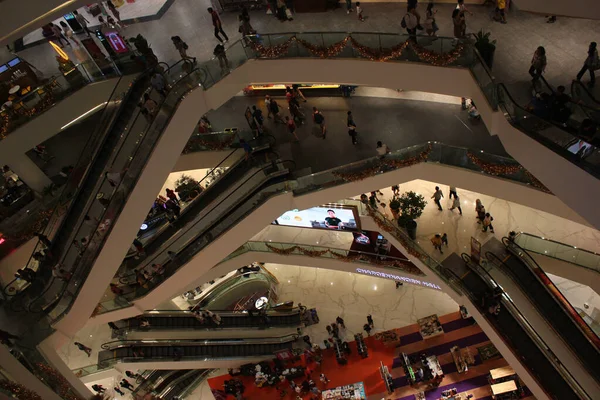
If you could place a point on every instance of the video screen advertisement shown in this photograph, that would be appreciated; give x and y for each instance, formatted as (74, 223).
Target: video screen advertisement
(330, 217)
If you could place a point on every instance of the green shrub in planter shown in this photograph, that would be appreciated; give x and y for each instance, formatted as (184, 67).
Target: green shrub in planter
(411, 208)
(485, 47)
(185, 186)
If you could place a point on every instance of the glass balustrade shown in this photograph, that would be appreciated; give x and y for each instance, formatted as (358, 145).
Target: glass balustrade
(560, 251)
(428, 152)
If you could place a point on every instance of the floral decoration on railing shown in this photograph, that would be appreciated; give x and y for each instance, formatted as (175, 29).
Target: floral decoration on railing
(57, 381)
(377, 54)
(395, 163)
(18, 391)
(196, 142)
(46, 102)
(496, 170)
(405, 266)
(42, 218)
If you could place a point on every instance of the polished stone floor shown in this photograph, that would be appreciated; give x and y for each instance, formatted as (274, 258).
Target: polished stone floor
(398, 122)
(566, 41)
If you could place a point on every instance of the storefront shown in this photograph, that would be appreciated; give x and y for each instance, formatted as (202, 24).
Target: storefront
(354, 391)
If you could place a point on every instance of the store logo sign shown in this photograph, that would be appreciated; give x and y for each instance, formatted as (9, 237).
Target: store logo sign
(404, 279)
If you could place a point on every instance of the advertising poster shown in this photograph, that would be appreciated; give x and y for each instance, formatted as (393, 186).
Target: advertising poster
(320, 218)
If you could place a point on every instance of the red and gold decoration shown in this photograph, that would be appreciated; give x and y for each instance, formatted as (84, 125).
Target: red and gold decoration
(395, 163)
(208, 144)
(19, 391)
(373, 54)
(57, 382)
(496, 170)
(405, 266)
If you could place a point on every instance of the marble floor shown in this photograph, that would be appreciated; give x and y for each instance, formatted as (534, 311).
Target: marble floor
(508, 216)
(353, 297)
(566, 41)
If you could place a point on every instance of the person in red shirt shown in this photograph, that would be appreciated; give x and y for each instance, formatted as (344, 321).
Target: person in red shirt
(216, 20)
(291, 127)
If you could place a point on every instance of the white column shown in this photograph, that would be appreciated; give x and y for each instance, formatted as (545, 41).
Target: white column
(29, 173)
(21, 375)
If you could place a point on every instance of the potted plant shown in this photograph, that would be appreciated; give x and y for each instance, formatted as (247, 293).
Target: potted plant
(187, 187)
(395, 207)
(411, 207)
(485, 47)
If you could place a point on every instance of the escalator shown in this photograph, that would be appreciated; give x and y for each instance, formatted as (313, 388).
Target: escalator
(512, 328)
(183, 320)
(131, 351)
(180, 384)
(206, 215)
(241, 171)
(583, 96)
(548, 301)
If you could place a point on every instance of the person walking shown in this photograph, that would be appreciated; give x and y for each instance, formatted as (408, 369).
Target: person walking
(348, 6)
(351, 127)
(182, 48)
(445, 239)
(436, 240)
(323, 378)
(501, 11)
(294, 108)
(487, 223)
(456, 204)
(98, 388)
(460, 24)
(591, 64)
(268, 106)
(367, 328)
(291, 127)
(58, 34)
(382, 149)
(430, 25)
(410, 22)
(125, 384)
(359, 12)
(257, 115)
(340, 321)
(480, 210)
(437, 196)
(83, 348)
(172, 196)
(538, 63)
(275, 111)
(370, 320)
(244, 26)
(82, 21)
(216, 21)
(122, 393)
(115, 12)
(452, 192)
(395, 190)
(319, 119)
(220, 53)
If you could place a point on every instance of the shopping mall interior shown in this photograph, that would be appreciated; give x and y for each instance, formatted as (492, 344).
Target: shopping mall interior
(257, 199)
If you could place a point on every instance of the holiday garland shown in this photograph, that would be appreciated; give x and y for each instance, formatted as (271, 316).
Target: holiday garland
(19, 391)
(405, 266)
(390, 162)
(377, 54)
(59, 383)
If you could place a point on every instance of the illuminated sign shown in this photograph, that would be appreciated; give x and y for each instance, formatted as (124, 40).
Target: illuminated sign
(58, 50)
(404, 279)
(116, 42)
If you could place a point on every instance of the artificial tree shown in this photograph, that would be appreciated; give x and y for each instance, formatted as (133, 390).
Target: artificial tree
(411, 206)
(187, 187)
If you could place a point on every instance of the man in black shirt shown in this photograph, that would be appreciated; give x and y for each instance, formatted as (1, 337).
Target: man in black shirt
(332, 221)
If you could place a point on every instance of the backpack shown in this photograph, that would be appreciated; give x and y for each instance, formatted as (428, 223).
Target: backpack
(319, 118)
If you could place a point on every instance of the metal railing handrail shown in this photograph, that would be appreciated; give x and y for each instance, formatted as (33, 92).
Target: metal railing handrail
(116, 344)
(525, 324)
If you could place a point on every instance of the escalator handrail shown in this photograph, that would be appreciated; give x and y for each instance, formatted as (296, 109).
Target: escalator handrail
(511, 307)
(176, 382)
(563, 304)
(163, 252)
(116, 344)
(224, 313)
(192, 386)
(588, 93)
(558, 149)
(560, 244)
(119, 186)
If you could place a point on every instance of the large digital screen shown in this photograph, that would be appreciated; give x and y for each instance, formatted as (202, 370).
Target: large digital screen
(332, 218)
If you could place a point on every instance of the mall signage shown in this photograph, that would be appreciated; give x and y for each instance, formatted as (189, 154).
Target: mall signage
(397, 278)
